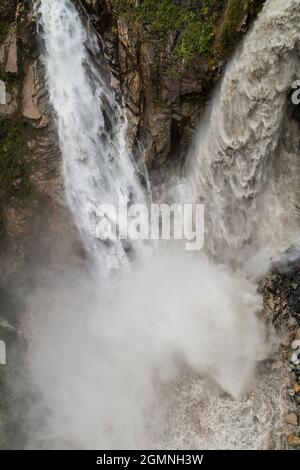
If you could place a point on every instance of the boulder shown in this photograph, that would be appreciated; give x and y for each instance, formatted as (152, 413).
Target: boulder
(292, 419)
(293, 440)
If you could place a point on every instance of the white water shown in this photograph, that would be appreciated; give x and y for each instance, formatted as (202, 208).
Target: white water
(235, 159)
(97, 167)
(106, 360)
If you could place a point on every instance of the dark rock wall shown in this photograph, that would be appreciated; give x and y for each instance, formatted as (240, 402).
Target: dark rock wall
(30, 181)
(165, 81)
(166, 57)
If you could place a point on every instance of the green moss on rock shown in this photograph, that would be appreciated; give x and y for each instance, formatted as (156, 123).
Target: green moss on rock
(196, 38)
(162, 16)
(193, 23)
(237, 12)
(13, 137)
(208, 28)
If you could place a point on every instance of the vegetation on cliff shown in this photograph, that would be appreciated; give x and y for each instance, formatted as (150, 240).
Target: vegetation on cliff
(208, 28)
(7, 15)
(194, 25)
(236, 15)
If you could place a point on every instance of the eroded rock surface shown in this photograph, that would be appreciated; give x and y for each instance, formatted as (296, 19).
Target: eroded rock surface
(164, 81)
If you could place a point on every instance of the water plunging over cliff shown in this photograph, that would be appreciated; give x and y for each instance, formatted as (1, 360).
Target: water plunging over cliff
(97, 167)
(104, 359)
(236, 162)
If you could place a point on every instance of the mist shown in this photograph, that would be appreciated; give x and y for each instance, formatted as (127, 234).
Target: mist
(111, 341)
(102, 357)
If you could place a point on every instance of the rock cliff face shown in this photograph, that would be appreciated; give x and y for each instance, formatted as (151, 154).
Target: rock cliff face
(30, 183)
(166, 57)
(33, 219)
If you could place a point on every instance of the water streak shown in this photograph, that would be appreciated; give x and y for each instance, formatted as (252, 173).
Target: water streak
(97, 166)
(234, 162)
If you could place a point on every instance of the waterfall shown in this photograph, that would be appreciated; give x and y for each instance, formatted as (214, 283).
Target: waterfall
(179, 325)
(236, 156)
(97, 167)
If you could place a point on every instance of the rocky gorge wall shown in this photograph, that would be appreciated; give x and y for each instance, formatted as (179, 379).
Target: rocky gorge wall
(33, 219)
(166, 58)
(29, 164)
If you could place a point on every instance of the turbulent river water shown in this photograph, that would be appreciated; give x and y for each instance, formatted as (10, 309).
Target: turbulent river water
(168, 355)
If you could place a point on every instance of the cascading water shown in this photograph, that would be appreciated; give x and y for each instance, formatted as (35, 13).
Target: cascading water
(97, 167)
(102, 374)
(235, 156)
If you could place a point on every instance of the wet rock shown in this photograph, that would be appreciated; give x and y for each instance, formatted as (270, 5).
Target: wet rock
(291, 392)
(30, 108)
(293, 440)
(297, 388)
(156, 85)
(296, 344)
(295, 359)
(8, 52)
(292, 419)
(297, 399)
(190, 85)
(11, 61)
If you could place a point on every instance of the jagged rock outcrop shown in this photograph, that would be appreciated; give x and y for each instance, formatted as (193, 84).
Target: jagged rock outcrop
(165, 80)
(31, 185)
